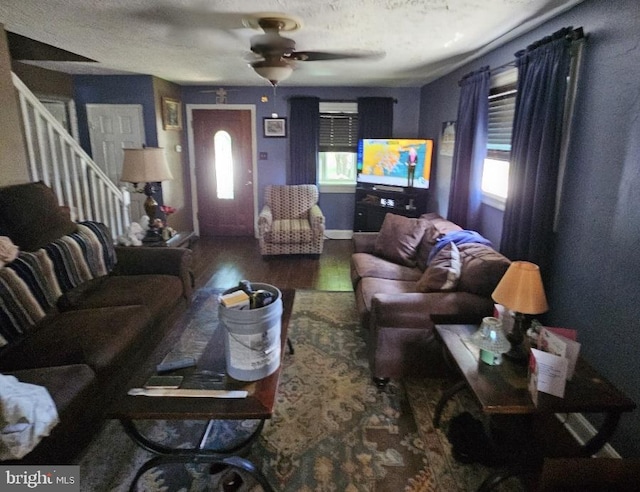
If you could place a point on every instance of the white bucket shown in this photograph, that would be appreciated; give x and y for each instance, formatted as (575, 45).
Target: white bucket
(252, 337)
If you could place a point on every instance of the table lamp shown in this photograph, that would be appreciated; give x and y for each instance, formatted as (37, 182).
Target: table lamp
(521, 291)
(147, 165)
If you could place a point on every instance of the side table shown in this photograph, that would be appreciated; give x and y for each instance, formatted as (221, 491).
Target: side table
(503, 389)
(182, 239)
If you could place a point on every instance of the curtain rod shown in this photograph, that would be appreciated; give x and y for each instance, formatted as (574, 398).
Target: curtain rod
(575, 35)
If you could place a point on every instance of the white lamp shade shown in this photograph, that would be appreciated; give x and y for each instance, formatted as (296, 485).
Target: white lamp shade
(147, 165)
(273, 71)
(521, 289)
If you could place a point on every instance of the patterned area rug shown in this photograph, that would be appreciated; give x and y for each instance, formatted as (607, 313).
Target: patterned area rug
(332, 430)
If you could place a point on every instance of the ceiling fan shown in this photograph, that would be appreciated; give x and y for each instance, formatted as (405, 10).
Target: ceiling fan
(274, 56)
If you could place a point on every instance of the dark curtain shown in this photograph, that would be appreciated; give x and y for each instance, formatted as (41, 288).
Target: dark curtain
(375, 117)
(304, 140)
(465, 198)
(543, 68)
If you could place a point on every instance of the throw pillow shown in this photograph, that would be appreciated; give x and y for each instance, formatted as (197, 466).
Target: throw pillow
(438, 227)
(31, 216)
(399, 238)
(482, 268)
(443, 273)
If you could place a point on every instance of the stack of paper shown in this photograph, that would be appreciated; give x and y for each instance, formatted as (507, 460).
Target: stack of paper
(553, 362)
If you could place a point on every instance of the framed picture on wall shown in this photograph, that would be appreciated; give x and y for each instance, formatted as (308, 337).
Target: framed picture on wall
(171, 114)
(275, 127)
(448, 138)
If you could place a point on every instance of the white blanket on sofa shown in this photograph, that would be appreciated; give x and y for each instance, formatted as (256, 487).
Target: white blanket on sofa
(27, 414)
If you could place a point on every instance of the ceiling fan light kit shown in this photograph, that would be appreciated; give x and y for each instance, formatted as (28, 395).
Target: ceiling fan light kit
(274, 71)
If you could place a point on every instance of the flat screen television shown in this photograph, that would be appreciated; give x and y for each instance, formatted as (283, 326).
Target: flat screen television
(398, 162)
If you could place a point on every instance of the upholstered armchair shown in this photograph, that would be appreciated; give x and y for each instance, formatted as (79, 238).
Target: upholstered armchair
(291, 221)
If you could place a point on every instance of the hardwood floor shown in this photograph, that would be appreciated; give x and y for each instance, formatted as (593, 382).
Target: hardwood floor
(223, 261)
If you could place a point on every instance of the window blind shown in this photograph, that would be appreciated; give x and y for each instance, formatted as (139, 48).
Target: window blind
(338, 132)
(502, 106)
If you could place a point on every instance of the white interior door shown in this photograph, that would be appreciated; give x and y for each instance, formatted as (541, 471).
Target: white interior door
(112, 128)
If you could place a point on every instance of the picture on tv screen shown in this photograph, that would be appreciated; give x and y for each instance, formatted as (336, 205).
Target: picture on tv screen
(402, 162)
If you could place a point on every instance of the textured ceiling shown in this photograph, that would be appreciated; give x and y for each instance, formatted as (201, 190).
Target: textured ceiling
(205, 41)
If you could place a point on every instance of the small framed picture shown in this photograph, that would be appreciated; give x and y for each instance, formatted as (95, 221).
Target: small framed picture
(275, 127)
(171, 114)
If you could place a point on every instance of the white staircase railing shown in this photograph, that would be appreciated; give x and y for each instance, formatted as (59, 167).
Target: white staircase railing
(58, 160)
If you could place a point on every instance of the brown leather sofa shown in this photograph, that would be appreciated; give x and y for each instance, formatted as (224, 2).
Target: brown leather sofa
(90, 312)
(400, 297)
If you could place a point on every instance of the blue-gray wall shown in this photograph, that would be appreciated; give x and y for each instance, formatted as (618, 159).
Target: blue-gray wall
(115, 89)
(596, 274)
(337, 207)
(138, 89)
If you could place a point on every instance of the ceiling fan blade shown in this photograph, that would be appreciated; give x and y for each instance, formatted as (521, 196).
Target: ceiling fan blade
(335, 55)
(167, 14)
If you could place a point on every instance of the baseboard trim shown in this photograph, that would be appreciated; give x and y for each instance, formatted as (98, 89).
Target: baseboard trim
(582, 430)
(338, 234)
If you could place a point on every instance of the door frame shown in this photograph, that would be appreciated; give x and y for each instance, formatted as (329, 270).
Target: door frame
(192, 159)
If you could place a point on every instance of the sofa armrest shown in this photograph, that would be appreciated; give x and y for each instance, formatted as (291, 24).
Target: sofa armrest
(316, 219)
(364, 242)
(420, 311)
(265, 219)
(141, 260)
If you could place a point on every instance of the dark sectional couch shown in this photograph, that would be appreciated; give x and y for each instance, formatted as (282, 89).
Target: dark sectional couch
(401, 293)
(78, 315)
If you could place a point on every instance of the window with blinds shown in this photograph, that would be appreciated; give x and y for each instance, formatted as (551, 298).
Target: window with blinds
(502, 105)
(495, 172)
(338, 146)
(338, 132)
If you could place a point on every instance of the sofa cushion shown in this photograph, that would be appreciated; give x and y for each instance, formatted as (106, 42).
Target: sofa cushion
(287, 231)
(436, 228)
(76, 395)
(157, 292)
(399, 238)
(443, 272)
(66, 384)
(367, 265)
(32, 227)
(106, 339)
(369, 287)
(482, 269)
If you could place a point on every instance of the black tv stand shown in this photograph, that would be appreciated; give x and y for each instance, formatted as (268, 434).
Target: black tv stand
(373, 202)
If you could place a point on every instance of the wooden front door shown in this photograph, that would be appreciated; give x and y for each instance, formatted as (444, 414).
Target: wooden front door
(224, 172)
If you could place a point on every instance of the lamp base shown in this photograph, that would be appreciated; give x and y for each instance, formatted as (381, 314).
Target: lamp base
(519, 352)
(518, 355)
(152, 236)
(150, 207)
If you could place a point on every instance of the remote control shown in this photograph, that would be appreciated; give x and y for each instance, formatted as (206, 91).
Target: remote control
(176, 364)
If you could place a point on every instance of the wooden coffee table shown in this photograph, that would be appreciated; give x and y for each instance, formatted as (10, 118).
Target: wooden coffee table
(258, 405)
(503, 389)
